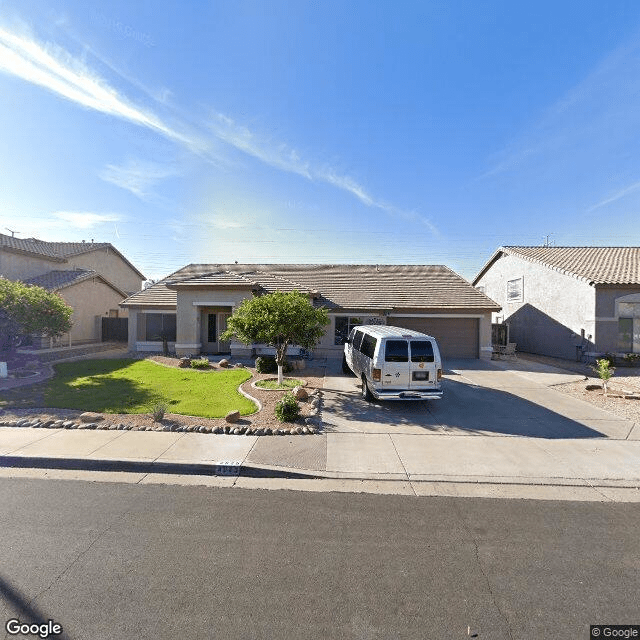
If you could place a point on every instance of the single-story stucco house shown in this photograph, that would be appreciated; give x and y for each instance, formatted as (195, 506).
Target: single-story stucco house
(191, 306)
(559, 301)
(92, 278)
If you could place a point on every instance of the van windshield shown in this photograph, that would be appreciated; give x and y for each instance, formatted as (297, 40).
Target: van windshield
(396, 351)
(421, 351)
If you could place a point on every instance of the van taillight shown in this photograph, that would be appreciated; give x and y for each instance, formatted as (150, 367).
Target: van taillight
(377, 375)
(439, 375)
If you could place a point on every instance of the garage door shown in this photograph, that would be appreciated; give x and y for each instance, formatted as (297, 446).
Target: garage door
(457, 337)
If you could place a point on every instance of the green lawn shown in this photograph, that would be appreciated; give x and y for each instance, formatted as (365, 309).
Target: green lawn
(132, 386)
(287, 383)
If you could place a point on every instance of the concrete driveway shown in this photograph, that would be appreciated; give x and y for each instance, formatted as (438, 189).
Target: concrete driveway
(484, 398)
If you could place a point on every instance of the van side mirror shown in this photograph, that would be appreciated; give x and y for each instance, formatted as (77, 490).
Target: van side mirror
(347, 341)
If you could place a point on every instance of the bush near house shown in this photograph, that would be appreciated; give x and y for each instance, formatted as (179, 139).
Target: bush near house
(267, 364)
(26, 309)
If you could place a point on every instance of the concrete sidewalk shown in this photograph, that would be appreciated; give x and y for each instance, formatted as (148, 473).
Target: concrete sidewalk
(367, 451)
(382, 463)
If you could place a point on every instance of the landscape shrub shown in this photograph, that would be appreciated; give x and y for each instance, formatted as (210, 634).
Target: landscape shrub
(287, 408)
(158, 410)
(267, 364)
(200, 363)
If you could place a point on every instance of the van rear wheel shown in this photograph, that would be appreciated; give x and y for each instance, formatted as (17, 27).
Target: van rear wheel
(366, 394)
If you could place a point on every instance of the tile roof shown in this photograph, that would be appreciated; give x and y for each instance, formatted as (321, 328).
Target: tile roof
(56, 280)
(346, 286)
(596, 265)
(155, 295)
(58, 251)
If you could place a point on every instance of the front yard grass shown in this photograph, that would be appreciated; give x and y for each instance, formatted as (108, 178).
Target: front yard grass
(133, 386)
(272, 384)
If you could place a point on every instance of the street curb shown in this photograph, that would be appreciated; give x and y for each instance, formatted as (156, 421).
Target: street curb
(222, 469)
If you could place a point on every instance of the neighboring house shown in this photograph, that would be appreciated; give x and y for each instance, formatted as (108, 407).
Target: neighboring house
(560, 300)
(191, 306)
(93, 278)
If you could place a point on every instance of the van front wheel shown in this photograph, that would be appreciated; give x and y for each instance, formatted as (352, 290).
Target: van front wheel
(366, 394)
(345, 367)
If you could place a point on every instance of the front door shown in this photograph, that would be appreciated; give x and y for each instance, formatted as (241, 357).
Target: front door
(223, 347)
(213, 324)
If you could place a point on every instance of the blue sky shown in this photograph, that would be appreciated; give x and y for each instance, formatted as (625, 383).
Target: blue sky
(377, 132)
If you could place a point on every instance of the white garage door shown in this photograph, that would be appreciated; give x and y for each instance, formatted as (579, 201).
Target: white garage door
(457, 337)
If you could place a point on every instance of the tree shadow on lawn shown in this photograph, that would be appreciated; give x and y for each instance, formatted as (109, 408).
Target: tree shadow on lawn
(95, 393)
(464, 409)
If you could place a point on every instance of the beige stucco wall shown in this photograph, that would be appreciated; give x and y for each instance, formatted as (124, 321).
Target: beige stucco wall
(90, 299)
(108, 263)
(190, 304)
(15, 266)
(555, 309)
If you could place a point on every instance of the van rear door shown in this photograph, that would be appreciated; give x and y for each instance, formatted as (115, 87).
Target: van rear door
(396, 370)
(423, 365)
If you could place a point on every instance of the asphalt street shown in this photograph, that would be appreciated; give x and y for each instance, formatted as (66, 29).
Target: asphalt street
(108, 560)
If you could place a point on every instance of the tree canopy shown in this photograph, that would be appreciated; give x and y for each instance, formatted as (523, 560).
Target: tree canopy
(278, 319)
(26, 309)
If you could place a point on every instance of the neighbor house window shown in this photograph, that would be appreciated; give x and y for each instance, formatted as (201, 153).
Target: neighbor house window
(515, 290)
(625, 335)
(344, 324)
(159, 324)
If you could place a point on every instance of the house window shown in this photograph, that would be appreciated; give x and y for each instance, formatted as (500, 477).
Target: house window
(625, 335)
(344, 324)
(159, 324)
(515, 290)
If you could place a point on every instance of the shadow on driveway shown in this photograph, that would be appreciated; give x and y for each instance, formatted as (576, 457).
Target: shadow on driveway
(466, 408)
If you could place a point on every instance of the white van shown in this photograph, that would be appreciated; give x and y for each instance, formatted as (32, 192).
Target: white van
(394, 363)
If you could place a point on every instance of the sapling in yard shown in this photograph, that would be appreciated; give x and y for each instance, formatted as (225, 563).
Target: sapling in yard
(605, 371)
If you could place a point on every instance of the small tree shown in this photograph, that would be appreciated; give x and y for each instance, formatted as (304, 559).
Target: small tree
(279, 320)
(605, 371)
(28, 309)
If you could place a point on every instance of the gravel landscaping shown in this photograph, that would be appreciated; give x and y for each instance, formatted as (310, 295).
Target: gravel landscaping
(263, 422)
(625, 382)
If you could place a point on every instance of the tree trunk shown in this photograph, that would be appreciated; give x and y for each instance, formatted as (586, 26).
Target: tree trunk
(281, 354)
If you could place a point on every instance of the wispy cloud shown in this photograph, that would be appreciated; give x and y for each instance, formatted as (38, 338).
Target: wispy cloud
(138, 177)
(84, 219)
(283, 157)
(616, 196)
(275, 154)
(65, 225)
(52, 68)
(591, 119)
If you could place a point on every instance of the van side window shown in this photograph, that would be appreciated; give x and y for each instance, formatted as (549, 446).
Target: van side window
(368, 346)
(396, 351)
(357, 340)
(421, 351)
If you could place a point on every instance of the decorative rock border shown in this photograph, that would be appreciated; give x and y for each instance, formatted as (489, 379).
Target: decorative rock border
(94, 421)
(311, 426)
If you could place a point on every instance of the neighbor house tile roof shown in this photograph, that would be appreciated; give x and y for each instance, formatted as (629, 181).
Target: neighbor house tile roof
(596, 265)
(56, 280)
(58, 251)
(345, 286)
